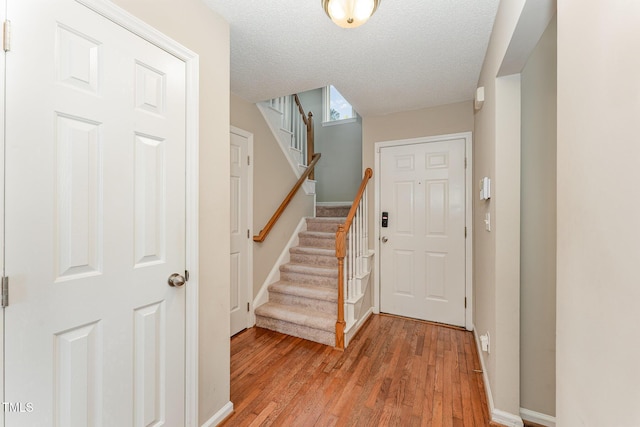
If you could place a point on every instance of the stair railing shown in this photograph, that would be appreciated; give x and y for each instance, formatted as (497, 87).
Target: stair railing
(352, 246)
(301, 126)
(298, 123)
(276, 215)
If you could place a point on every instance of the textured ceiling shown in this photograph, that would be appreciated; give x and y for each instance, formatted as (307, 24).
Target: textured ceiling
(411, 54)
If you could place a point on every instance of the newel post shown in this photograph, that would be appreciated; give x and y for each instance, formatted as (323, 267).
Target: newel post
(340, 254)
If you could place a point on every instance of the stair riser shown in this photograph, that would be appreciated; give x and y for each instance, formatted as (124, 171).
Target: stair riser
(316, 335)
(298, 301)
(325, 227)
(329, 211)
(301, 269)
(327, 282)
(316, 242)
(319, 260)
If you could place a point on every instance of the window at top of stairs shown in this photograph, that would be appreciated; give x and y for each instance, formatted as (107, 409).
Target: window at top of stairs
(336, 109)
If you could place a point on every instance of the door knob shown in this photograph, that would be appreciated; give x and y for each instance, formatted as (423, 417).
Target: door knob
(176, 280)
(384, 239)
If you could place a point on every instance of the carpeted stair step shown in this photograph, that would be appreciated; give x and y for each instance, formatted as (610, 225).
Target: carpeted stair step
(327, 225)
(300, 322)
(318, 298)
(317, 239)
(315, 256)
(309, 274)
(341, 210)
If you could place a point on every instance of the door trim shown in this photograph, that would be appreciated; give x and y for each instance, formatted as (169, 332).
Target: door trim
(191, 60)
(243, 133)
(468, 214)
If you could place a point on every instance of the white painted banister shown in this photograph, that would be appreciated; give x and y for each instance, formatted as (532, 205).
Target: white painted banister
(295, 122)
(352, 251)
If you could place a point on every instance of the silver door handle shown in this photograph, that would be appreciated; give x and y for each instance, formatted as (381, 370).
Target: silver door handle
(176, 280)
(384, 239)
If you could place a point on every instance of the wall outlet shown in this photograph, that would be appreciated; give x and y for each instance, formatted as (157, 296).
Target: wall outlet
(485, 342)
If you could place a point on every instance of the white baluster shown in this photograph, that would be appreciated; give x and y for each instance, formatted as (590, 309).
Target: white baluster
(346, 273)
(351, 263)
(299, 137)
(357, 242)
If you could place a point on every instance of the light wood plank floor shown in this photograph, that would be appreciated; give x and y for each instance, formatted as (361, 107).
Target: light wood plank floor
(396, 372)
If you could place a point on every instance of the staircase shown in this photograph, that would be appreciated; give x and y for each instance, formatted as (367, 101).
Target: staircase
(303, 303)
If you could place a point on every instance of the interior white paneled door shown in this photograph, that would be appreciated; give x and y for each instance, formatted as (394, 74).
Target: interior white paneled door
(3, 8)
(95, 214)
(422, 251)
(239, 232)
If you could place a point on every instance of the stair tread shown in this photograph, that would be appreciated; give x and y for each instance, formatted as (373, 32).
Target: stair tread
(339, 219)
(320, 234)
(312, 269)
(299, 316)
(312, 250)
(304, 290)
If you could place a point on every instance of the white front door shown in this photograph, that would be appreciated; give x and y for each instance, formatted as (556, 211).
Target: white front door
(240, 235)
(95, 222)
(422, 250)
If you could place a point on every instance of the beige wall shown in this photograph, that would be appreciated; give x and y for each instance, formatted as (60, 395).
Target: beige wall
(598, 246)
(496, 252)
(207, 34)
(445, 119)
(272, 181)
(538, 231)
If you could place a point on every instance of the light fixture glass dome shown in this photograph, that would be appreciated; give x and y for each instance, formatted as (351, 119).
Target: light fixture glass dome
(350, 13)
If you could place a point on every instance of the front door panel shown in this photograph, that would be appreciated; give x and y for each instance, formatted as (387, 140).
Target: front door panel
(95, 214)
(423, 247)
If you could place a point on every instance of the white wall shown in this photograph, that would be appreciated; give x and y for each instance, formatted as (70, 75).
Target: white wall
(538, 229)
(195, 26)
(598, 248)
(496, 252)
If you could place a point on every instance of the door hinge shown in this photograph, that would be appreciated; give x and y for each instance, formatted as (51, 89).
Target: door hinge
(248, 233)
(6, 36)
(186, 275)
(465, 232)
(465, 162)
(5, 292)
(465, 302)
(248, 161)
(247, 306)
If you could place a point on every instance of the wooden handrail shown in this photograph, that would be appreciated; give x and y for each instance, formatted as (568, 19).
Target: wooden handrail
(341, 252)
(267, 228)
(308, 121)
(300, 109)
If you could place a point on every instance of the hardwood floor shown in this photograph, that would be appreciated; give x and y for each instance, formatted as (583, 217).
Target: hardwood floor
(396, 372)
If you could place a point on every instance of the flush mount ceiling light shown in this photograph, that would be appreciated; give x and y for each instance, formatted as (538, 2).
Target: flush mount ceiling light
(350, 13)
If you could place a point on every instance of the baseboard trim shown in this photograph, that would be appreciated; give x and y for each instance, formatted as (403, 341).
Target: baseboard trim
(506, 418)
(219, 416)
(274, 275)
(497, 415)
(537, 417)
(351, 333)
